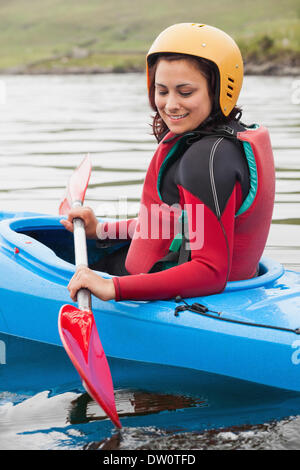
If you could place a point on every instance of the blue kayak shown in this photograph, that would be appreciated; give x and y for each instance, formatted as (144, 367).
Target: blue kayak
(250, 332)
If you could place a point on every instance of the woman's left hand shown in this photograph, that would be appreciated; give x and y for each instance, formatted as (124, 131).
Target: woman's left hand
(86, 278)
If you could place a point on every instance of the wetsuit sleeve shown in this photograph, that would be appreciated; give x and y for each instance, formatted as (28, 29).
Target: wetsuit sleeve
(206, 273)
(117, 230)
(210, 191)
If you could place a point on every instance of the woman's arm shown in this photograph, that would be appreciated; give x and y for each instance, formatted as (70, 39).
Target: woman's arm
(207, 271)
(120, 229)
(212, 180)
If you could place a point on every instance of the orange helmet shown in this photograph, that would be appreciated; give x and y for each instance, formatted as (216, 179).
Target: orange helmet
(212, 44)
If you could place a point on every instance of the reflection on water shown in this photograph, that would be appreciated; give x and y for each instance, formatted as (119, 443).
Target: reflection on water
(46, 125)
(275, 435)
(130, 403)
(151, 420)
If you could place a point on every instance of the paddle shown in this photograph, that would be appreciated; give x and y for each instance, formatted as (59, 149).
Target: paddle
(77, 327)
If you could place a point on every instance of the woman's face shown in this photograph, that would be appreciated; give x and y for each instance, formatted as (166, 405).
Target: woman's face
(181, 95)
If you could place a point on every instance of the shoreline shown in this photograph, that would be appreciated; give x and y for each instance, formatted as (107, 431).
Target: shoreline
(251, 68)
(272, 69)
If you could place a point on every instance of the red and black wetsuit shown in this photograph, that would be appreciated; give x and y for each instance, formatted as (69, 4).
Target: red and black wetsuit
(226, 188)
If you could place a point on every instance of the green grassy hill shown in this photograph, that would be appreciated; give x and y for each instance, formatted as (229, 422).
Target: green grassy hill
(114, 35)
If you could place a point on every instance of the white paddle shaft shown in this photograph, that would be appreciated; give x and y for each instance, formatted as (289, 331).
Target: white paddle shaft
(81, 258)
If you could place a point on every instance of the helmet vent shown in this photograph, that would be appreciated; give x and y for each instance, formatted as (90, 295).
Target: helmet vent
(230, 87)
(198, 25)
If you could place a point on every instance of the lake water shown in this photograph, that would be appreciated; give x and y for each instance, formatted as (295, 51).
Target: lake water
(47, 124)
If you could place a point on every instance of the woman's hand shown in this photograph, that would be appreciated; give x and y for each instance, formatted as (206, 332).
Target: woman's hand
(87, 215)
(84, 277)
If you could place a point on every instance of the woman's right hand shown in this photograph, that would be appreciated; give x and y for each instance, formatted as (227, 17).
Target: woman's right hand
(87, 215)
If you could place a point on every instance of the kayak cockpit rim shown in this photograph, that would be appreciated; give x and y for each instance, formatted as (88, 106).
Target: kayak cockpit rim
(15, 234)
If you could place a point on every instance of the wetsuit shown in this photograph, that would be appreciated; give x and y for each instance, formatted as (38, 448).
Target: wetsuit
(224, 195)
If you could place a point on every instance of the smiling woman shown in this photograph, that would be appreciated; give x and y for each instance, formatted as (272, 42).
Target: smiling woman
(209, 186)
(182, 94)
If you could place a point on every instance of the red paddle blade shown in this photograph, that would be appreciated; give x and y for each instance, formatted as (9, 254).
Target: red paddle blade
(80, 338)
(64, 207)
(77, 186)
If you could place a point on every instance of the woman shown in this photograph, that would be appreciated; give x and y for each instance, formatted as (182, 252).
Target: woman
(208, 195)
